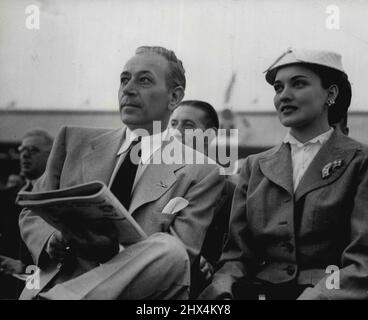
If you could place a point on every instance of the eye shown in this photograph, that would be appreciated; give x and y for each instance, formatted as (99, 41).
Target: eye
(174, 123)
(145, 80)
(124, 80)
(188, 126)
(278, 87)
(299, 84)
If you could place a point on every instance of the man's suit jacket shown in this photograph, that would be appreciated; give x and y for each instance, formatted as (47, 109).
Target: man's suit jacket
(215, 238)
(278, 236)
(81, 155)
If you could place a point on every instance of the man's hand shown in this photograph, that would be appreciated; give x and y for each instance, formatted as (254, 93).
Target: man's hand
(10, 266)
(57, 247)
(95, 240)
(206, 268)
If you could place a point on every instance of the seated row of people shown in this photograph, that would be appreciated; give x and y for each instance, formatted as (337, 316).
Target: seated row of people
(298, 210)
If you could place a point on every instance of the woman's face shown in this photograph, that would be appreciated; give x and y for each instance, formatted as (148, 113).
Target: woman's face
(300, 98)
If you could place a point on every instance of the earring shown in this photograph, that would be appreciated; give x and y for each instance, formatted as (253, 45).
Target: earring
(330, 102)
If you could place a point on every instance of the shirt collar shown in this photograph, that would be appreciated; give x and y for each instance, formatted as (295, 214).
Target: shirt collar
(149, 144)
(321, 139)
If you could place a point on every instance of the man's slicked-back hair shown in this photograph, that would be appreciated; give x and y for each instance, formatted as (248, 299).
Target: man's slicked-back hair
(176, 74)
(211, 120)
(42, 134)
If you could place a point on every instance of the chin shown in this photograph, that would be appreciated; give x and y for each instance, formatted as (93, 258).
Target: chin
(291, 122)
(129, 119)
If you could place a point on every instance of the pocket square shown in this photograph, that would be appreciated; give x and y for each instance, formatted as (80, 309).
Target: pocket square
(175, 205)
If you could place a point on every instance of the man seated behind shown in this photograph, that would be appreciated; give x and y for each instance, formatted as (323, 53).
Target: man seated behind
(189, 116)
(151, 85)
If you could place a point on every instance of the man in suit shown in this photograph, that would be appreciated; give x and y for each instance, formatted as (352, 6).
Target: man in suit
(152, 84)
(189, 119)
(14, 256)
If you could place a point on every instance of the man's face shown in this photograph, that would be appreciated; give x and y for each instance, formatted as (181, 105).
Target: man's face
(33, 157)
(185, 122)
(187, 118)
(144, 96)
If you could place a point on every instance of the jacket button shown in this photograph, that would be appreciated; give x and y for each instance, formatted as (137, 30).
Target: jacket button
(290, 270)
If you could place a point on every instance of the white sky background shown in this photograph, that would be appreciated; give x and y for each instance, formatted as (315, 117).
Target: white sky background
(74, 60)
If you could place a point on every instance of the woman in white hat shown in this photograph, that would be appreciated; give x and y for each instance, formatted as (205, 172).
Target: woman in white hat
(299, 221)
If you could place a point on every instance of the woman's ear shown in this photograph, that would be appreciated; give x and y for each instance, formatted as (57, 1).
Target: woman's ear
(176, 95)
(333, 92)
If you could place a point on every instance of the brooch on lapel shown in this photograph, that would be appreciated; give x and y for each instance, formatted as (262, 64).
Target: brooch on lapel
(331, 167)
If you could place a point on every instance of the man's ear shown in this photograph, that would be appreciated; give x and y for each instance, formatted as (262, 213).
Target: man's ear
(177, 94)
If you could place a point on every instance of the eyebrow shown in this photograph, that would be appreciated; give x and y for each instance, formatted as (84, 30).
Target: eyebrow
(293, 78)
(188, 121)
(126, 73)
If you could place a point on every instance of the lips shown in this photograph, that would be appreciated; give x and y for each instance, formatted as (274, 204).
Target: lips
(288, 108)
(129, 104)
(26, 165)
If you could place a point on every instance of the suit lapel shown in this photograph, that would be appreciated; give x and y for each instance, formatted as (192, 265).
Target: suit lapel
(338, 147)
(278, 168)
(154, 182)
(99, 163)
(158, 178)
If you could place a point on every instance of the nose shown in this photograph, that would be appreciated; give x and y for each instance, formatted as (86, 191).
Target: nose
(25, 154)
(285, 95)
(177, 133)
(128, 88)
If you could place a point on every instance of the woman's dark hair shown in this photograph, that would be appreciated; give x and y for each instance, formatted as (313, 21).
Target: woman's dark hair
(330, 77)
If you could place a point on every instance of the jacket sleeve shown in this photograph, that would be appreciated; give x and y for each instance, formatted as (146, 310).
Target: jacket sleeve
(34, 230)
(237, 256)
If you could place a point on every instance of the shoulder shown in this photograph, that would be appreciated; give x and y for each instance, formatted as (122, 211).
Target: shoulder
(74, 135)
(348, 142)
(254, 159)
(349, 145)
(90, 132)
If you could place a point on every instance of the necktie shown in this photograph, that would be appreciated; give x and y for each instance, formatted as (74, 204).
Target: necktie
(29, 186)
(123, 183)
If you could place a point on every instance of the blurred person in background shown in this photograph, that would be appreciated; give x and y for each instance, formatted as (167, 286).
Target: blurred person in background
(14, 256)
(34, 152)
